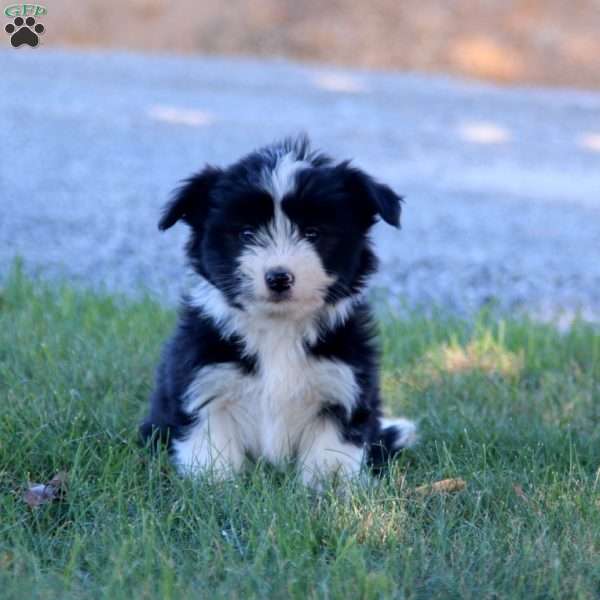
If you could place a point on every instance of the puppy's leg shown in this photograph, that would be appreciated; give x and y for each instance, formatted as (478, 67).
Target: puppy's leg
(212, 446)
(324, 454)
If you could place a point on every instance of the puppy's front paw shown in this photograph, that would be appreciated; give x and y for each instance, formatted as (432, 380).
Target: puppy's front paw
(326, 458)
(210, 449)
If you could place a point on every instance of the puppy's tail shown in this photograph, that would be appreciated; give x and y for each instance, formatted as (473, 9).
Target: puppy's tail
(394, 435)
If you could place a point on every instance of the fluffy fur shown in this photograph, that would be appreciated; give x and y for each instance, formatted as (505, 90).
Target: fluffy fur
(274, 357)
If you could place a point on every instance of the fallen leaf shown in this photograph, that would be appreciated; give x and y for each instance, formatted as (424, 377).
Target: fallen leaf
(444, 486)
(519, 492)
(40, 493)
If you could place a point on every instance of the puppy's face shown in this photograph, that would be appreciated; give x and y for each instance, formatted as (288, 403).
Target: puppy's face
(282, 233)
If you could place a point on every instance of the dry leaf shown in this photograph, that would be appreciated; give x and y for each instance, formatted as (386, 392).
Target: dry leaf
(40, 493)
(444, 486)
(519, 492)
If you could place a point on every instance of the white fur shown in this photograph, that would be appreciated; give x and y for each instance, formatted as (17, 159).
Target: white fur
(281, 248)
(273, 414)
(212, 443)
(205, 296)
(281, 180)
(337, 314)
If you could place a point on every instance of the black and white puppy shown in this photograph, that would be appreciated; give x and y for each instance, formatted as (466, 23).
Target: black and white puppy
(274, 356)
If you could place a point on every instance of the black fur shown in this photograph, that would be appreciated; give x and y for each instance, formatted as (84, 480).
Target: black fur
(220, 205)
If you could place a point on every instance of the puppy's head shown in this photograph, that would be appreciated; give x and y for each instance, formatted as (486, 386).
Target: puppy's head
(284, 231)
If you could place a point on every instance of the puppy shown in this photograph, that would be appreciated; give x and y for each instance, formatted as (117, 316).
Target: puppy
(274, 355)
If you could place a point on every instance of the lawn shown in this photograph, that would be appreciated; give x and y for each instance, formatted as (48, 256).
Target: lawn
(510, 406)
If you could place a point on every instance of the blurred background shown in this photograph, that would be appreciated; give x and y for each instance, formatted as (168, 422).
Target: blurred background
(554, 42)
(483, 114)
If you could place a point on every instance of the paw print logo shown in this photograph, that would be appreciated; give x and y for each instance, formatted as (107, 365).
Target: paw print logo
(24, 32)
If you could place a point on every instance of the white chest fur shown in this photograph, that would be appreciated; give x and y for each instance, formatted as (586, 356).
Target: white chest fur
(270, 414)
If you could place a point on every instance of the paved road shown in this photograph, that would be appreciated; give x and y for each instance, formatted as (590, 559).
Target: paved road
(502, 185)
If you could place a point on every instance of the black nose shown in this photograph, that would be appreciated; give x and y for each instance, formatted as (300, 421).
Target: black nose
(279, 280)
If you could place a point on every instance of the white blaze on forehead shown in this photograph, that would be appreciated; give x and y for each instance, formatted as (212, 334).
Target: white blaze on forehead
(281, 180)
(278, 182)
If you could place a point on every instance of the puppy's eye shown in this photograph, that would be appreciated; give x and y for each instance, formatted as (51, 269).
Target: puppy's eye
(246, 234)
(311, 233)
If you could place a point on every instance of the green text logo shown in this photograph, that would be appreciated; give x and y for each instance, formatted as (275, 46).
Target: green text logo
(25, 10)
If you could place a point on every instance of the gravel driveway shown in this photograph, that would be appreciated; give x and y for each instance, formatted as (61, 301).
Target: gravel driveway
(502, 186)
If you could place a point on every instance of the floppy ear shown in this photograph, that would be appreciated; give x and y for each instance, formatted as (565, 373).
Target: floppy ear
(190, 201)
(380, 199)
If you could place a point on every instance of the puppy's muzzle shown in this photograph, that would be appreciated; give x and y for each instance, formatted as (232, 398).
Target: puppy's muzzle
(279, 281)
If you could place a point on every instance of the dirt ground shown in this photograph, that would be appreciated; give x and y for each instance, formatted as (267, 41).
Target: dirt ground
(551, 42)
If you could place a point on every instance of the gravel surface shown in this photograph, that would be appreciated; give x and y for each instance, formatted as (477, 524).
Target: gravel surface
(502, 186)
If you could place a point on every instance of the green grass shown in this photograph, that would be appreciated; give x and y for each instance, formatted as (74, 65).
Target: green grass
(500, 404)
